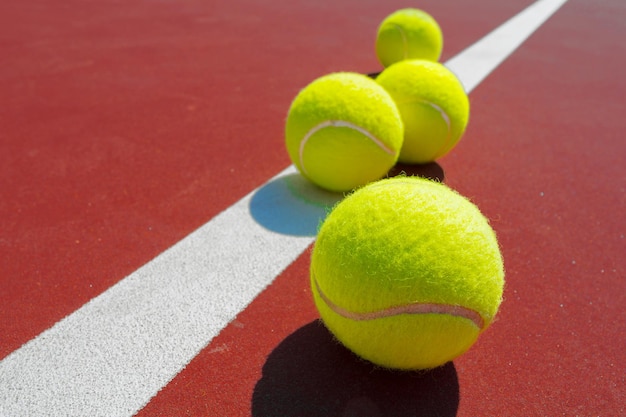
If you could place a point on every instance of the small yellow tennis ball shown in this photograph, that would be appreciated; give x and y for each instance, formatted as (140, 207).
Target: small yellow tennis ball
(343, 130)
(407, 273)
(408, 34)
(433, 104)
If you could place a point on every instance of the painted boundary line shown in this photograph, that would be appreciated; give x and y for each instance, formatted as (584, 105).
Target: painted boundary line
(113, 354)
(476, 62)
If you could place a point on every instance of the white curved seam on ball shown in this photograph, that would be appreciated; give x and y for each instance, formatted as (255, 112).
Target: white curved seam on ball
(443, 115)
(338, 123)
(441, 111)
(405, 41)
(413, 308)
(446, 118)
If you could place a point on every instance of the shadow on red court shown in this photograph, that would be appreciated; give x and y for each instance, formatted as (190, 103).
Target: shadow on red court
(311, 374)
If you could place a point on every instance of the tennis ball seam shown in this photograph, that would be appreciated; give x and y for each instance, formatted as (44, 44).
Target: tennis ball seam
(444, 116)
(441, 111)
(412, 308)
(338, 123)
(405, 41)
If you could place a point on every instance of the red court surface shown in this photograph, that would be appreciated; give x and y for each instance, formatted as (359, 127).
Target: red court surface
(127, 125)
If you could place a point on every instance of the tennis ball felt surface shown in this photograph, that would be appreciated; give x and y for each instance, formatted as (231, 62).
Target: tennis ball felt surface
(407, 273)
(434, 108)
(408, 34)
(343, 130)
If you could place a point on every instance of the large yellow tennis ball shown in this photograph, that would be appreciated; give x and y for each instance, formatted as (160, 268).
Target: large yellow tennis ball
(343, 130)
(408, 34)
(433, 104)
(407, 273)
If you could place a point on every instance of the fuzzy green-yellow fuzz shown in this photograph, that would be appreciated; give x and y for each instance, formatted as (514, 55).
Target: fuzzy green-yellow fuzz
(407, 273)
(434, 108)
(343, 131)
(408, 34)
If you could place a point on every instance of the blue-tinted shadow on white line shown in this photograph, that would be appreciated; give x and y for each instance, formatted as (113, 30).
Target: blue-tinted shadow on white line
(292, 205)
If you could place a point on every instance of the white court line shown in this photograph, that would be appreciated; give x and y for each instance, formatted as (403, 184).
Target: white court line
(480, 59)
(113, 354)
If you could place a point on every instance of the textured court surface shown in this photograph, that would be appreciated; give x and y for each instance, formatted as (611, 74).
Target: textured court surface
(154, 241)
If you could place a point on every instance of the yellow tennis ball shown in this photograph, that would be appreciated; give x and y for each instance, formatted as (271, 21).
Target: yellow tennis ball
(433, 104)
(408, 34)
(407, 273)
(343, 130)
